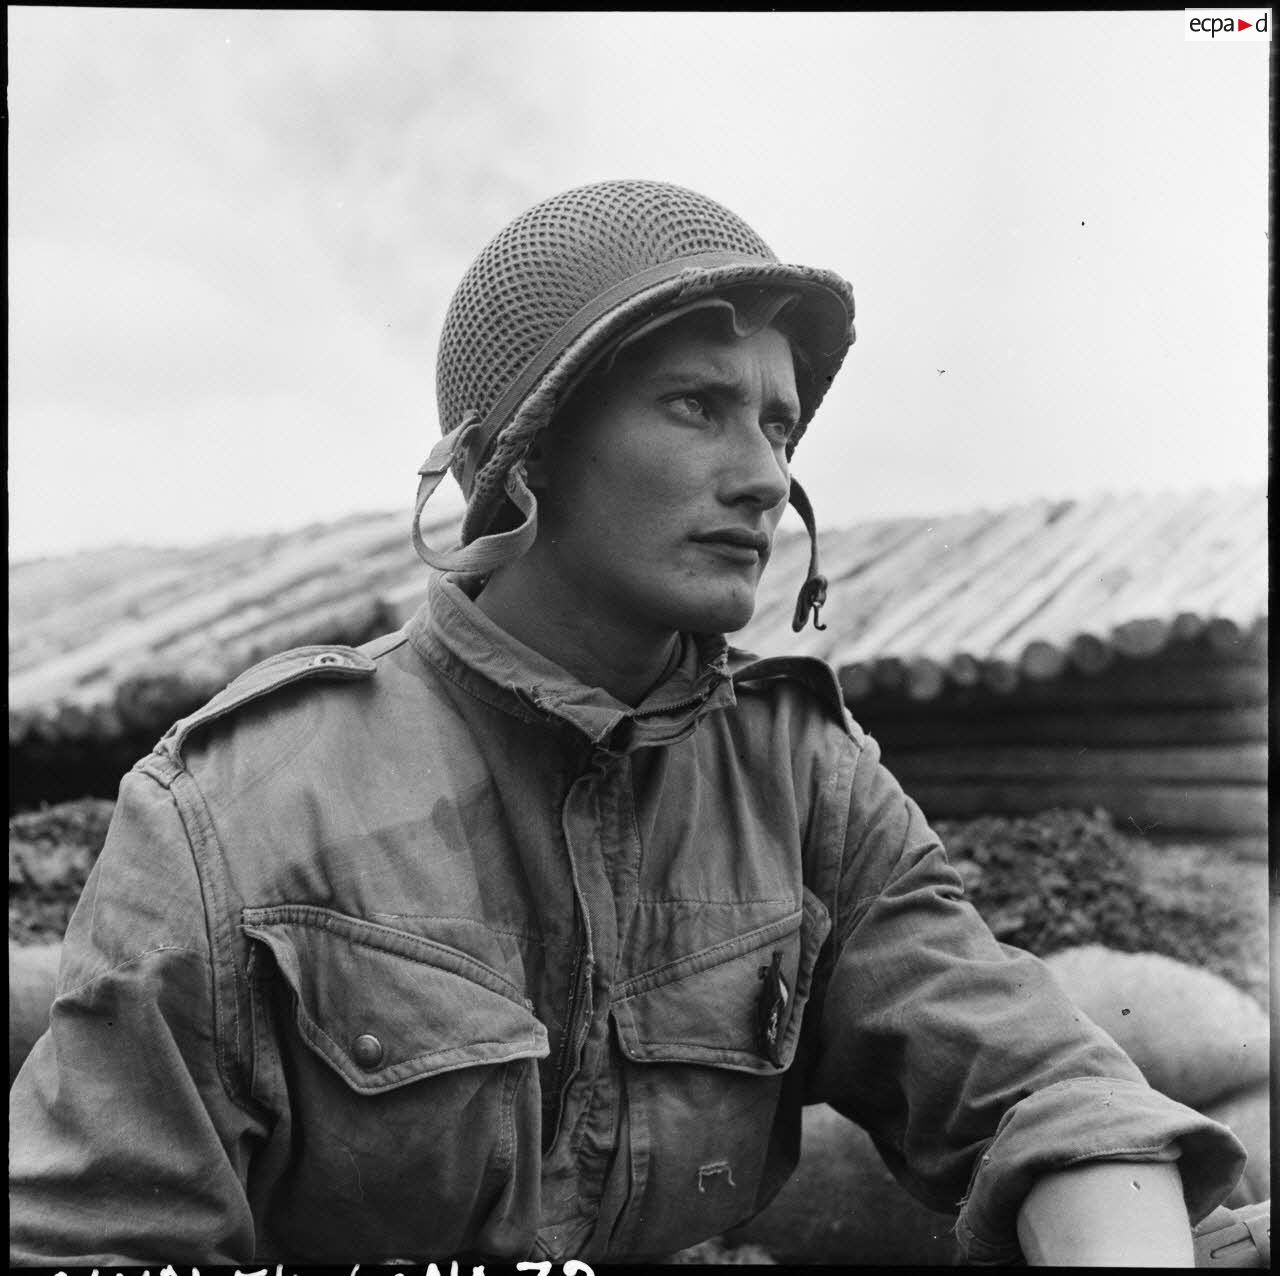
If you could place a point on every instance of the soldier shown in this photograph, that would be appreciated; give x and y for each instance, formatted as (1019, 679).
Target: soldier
(526, 931)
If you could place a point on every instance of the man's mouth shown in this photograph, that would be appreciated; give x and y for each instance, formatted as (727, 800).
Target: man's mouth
(736, 542)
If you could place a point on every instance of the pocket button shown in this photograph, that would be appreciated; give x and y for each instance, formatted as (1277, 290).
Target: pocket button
(367, 1050)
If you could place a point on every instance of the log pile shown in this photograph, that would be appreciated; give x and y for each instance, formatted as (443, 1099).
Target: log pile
(1173, 744)
(1109, 652)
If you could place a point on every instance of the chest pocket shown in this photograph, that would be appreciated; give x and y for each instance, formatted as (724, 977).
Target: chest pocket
(707, 1082)
(714, 1006)
(401, 1070)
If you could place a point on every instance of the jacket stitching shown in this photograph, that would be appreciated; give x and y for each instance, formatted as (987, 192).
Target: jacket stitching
(340, 923)
(311, 1029)
(197, 822)
(582, 1124)
(705, 959)
(859, 906)
(634, 820)
(76, 989)
(507, 1127)
(1106, 1153)
(511, 706)
(251, 686)
(806, 965)
(713, 903)
(838, 814)
(510, 932)
(421, 643)
(377, 648)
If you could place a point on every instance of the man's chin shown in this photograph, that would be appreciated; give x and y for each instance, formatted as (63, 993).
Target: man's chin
(721, 616)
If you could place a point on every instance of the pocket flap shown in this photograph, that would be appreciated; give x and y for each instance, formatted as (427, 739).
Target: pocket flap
(383, 1007)
(703, 1008)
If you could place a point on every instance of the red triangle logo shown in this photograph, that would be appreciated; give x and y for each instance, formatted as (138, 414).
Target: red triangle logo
(1242, 25)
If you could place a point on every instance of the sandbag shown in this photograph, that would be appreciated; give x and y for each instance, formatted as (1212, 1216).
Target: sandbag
(1195, 1037)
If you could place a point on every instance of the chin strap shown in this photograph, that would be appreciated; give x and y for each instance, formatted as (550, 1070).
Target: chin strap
(486, 553)
(813, 593)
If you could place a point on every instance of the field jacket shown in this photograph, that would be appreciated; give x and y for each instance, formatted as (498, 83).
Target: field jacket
(427, 949)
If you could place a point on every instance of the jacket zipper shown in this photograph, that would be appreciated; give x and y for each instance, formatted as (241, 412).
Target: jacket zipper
(689, 702)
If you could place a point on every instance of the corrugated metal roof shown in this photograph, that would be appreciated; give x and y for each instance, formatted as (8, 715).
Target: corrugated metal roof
(989, 596)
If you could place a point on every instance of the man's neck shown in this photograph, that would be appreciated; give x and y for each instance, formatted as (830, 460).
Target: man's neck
(626, 662)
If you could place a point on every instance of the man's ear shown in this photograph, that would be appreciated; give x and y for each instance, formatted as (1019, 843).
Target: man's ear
(535, 465)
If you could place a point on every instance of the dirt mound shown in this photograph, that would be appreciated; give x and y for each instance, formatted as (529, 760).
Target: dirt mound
(1061, 879)
(50, 854)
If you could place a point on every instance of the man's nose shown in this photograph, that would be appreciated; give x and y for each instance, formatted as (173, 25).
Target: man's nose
(756, 471)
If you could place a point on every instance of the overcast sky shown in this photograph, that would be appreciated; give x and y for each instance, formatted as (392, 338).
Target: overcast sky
(232, 237)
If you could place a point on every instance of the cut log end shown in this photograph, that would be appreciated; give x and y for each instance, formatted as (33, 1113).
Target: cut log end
(1090, 654)
(925, 679)
(1141, 638)
(889, 673)
(856, 681)
(999, 676)
(1186, 626)
(1225, 635)
(1042, 660)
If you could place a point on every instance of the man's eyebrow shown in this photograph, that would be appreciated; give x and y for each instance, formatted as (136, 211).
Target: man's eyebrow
(719, 383)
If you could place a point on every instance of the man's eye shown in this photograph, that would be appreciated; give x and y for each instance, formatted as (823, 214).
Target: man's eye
(690, 405)
(778, 432)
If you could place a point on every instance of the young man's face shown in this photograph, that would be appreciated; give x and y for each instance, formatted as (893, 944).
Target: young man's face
(659, 498)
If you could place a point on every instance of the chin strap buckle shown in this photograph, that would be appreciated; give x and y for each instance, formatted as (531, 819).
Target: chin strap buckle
(813, 597)
(813, 593)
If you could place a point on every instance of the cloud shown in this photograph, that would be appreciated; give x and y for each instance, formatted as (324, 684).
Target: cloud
(229, 222)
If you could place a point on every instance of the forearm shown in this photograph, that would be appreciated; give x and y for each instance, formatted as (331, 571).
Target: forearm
(1107, 1214)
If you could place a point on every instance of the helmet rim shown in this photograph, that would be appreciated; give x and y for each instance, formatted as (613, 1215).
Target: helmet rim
(530, 403)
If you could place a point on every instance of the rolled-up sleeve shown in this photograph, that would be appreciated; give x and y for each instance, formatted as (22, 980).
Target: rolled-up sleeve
(964, 1060)
(125, 1147)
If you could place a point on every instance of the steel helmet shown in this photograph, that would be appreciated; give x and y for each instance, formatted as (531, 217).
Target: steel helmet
(557, 288)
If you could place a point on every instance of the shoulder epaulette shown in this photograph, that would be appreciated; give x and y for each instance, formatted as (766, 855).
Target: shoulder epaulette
(814, 674)
(330, 663)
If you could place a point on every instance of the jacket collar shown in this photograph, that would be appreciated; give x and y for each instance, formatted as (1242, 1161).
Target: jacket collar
(453, 634)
